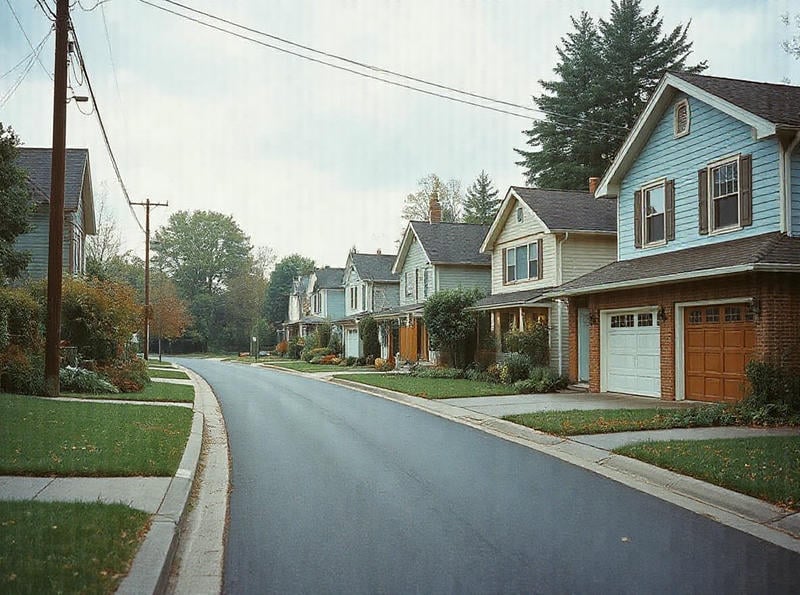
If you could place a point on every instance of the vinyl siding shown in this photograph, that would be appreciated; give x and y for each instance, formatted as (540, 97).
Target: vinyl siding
(581, 254)
(333, 303)
(559, 342)
(415, 259)
(713, 135)
(36, 242)
(455, 277)
(516, 233)
(795, 184)
(386, 295)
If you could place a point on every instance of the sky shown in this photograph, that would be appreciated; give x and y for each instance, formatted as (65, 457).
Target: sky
(305, 158)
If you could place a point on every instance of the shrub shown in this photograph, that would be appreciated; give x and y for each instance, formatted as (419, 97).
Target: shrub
(533, 342)
(368, 331)
(129, 376)
(23, 371)
(21, 342)
(80, 380)
(478, 375)
(335, 342)
(351, 360)
(315, 353)
(330, 359)
(516, 366)
(323, 334)
(541, 380)
(494, 372)
(281, 348)
(773, 385)
(451, 373)
(295, 347)
(452, 328)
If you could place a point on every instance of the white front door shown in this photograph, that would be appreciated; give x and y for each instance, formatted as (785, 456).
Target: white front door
(631, 356)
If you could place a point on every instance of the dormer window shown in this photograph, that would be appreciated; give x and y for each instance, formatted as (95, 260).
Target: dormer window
(681, 118)
(519, 214)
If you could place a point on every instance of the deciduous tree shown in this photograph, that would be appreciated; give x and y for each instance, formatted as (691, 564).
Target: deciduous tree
(417, 205)
(451, 327)
(16, 206)
(169, 313)
(276, 301)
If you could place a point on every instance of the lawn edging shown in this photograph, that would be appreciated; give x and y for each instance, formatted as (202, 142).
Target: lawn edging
(745, 513)
(151, 567)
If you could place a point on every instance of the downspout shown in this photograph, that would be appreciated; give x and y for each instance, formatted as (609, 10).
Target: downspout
(787, 182)
(559, 302)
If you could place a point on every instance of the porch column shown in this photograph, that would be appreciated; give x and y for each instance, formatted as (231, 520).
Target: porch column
(521, 319)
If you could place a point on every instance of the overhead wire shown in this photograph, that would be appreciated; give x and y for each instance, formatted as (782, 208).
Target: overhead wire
(106, 141)
(28, 39)
(372, 67)
(28, 67)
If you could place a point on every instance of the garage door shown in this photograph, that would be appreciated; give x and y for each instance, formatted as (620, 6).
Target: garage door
(719, 343)
(351, 346)
(633, 353)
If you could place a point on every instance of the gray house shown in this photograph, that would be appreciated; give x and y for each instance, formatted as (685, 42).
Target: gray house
(79, 219)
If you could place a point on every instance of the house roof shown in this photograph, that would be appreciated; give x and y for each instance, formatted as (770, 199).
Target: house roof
(514, 298)
(37, 162)
(375, 267)
(445, 243)
(766, 252)
(328, 278)
(390, 313)
(768, 108)
(570, 210)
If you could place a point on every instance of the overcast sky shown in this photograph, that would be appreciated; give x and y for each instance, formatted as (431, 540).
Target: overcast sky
(306, 158)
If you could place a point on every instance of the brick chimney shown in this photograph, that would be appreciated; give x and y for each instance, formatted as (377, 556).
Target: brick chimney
(593, 184)
(434, 209)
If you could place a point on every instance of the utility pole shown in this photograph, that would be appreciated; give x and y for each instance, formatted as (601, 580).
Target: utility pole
(147, 206)
(52, 362)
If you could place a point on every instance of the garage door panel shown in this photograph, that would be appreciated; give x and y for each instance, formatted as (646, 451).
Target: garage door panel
(734, 362)
(734, 338)
(632, 358)
(695, 338)
(733, 389)
(712, 362)
(712, 339)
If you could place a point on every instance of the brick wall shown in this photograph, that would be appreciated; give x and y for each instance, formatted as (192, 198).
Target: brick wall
(777, 325)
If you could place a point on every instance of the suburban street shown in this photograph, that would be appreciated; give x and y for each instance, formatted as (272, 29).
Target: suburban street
(337, 491)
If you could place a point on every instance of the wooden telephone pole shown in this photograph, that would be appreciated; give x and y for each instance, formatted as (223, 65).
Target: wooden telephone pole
(147, 314)
(52, 362)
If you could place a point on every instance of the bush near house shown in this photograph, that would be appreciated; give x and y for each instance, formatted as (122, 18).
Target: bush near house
(21, 342)
(281, 348)
(368, 330)
(533, 342)
(295, 347)
(452, 328)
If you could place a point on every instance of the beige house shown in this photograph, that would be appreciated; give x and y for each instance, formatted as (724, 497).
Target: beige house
(539, 240)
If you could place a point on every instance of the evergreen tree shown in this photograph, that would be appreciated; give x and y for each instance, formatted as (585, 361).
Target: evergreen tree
(16, 206)
(481, 203)
(606, 73)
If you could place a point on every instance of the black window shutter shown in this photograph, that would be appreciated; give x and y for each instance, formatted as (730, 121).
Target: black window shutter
(637, 219)
(746, 190)
(540, 258)
(669, 210)
(702, 200)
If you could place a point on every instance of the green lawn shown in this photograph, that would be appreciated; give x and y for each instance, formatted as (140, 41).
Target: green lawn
(44, 437)
(602, 421)
(155, 391)
(767, 468)
(48, 547)
(157, 364)
(160, 373)
(301, 366)
(431, 388)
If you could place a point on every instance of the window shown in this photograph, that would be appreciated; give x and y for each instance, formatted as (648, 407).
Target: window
(317, 303)
(409, 284)
(519, 214)
(696, 317)
(622, 321)
(522, 262)
(712, 314)
(426, 277)
(353, 298)
(733, 314)
(724, 195)
(644, 320)
(654, 200)
(681, 118)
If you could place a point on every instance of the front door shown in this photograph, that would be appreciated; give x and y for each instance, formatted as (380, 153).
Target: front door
(583, 344)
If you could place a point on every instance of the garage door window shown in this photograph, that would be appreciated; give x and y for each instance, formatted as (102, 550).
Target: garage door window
(712, 314)
(622, 321)
(733, 314)
(644, 320)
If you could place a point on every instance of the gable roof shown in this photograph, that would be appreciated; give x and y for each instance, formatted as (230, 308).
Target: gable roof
(771, 252)
(768, 108)
(37, 163)
(375, 267)
(445, 243)
(558, 210)
(328, 278)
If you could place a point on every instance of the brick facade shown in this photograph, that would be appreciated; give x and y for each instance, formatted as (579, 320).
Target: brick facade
(776, 303)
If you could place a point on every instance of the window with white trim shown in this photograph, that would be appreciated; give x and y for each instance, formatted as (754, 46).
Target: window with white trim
(522, 263)
(724, 194)
(653, 204)
(409, 284)
(519, 214)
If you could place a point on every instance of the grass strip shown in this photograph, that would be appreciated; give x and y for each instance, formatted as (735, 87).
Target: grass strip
(56, 547)
(158, 364)
(155, 391)
(159, 373)
(601, 421)
(431, 388)
(69, 438)
(301, 366)
(765, 467)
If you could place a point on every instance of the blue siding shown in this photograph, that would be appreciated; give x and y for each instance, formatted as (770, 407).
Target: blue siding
(713, 135)
(796, 192)
(335, 298)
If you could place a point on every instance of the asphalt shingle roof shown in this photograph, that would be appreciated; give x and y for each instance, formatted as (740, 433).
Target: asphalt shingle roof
(329, 278)
(779, 104)
(375, 267)
(511, 299)
(452, 243)
(37, 163)
(570, 210)
(764, 249)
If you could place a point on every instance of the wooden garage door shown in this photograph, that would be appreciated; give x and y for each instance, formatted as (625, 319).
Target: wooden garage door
(719, 343)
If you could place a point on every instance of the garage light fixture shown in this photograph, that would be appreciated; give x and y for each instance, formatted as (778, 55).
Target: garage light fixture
(662, 314)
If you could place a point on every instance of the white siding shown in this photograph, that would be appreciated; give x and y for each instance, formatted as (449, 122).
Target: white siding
(415, 259)
(581, 254)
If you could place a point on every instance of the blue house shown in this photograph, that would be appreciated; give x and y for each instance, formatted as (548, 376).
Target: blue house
(708, 247)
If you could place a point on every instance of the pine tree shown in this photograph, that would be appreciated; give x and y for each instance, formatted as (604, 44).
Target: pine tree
(481, 203)
(606, 72)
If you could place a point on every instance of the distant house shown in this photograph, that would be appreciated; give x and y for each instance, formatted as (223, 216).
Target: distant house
(79, 216)
(314, 299)
(433, 256)
(708, 272)
(539, 240)
(370, 287)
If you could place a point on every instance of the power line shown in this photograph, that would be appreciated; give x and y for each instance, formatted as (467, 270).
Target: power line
(31, 61)
(28, 39)
(372, 67)
(102, 127)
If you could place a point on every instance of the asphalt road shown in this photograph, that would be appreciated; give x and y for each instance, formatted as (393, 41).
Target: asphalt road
(335, 491)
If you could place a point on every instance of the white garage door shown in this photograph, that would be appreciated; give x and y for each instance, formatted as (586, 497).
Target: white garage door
(632, 353)
(351, 343)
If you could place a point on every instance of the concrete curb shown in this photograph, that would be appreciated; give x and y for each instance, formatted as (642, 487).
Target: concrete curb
(151, 567)
(745, 513)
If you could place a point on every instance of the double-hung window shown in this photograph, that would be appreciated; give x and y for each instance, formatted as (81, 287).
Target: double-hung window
(522, 263)
(653, 202)
(725, 189)
(724, 195)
